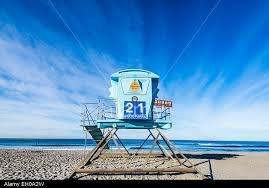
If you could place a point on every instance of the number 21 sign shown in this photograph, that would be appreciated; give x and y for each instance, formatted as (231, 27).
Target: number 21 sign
(135, 110)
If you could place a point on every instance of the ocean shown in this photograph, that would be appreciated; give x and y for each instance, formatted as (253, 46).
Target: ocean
(133, 144)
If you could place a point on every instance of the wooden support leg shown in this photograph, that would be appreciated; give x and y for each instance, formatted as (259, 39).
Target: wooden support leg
(122, 144)
(92, 153)
(98, 152)
(170, 148)
(153, 146)
(141, 145)
(160, 146)
(169, 144)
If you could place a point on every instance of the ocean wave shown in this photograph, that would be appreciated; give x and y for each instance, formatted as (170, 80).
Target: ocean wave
(137, 147)
(61, 145)
(232, 145)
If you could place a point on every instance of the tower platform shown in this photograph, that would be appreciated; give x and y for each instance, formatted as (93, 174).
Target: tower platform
(133, 124)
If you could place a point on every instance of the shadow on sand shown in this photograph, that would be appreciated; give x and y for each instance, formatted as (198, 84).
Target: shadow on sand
(216, 156)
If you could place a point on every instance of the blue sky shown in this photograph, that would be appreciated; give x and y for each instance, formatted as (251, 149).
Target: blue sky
(219, 86)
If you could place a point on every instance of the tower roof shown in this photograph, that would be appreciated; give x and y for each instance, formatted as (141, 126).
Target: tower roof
(134, 73)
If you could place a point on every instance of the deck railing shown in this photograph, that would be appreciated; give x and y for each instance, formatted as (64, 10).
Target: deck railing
(106, 109)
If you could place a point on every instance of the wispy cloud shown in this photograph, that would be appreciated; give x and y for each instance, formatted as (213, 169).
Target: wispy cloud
(207, 109)
(41, 88)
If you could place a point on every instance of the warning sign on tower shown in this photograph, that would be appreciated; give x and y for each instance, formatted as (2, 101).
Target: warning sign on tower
(135, 86)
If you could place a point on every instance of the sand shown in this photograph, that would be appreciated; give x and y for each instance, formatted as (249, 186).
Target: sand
(57, 165)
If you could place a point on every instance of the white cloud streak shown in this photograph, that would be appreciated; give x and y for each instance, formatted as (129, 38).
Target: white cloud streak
(212, 111)
(42, 87)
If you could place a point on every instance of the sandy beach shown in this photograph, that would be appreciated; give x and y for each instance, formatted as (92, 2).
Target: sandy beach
(58, 164)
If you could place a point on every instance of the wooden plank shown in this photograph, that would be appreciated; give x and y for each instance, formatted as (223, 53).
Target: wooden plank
(140, 155)
(136, 170)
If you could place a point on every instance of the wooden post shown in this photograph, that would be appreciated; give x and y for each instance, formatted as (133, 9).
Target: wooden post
(159, 144)
(192, 166)
(90, 155)
(141, 145)
(122, 144)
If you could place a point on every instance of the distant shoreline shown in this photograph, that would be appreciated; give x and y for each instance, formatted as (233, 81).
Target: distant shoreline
(184, 145)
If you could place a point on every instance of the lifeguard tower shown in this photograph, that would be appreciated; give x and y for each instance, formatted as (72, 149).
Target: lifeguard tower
(133, 104)
(134, 92)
